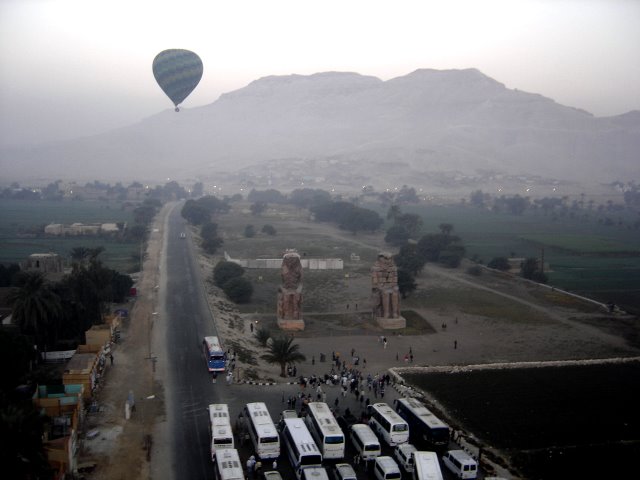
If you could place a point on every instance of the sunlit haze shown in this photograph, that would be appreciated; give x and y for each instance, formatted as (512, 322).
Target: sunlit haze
(75, 68)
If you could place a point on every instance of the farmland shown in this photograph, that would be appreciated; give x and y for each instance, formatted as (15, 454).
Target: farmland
(586, 257)
(573, 413)
(22, 223)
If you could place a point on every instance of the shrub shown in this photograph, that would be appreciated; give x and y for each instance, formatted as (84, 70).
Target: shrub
(238, 289)
(225, 271)
(262, 335)
(269, 230)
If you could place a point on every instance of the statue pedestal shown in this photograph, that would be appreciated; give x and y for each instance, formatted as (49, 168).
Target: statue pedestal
(290, 325)
(391, 323)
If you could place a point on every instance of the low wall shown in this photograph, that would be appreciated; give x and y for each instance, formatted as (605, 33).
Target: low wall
(276, 263)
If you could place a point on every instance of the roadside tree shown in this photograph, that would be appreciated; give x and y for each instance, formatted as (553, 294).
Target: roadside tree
(225, 271)
(238, 289)
(34, 306)
(282, 351)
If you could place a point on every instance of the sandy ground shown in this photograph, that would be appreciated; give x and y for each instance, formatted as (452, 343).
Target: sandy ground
(121, 446)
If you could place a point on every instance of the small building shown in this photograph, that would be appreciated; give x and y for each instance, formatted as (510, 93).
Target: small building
(64, 407)
(44, 263)
(109, 228)
(54, 229)
(85, 368)
(83, 229)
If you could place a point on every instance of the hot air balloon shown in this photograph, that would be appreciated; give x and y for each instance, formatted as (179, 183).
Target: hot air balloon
(177, 72)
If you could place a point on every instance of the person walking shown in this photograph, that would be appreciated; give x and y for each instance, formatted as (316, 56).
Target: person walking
(455, 344)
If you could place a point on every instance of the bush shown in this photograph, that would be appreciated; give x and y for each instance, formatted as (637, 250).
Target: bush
(238, 289)
(262, 335)
(225, 271)
(249, 231)
(397, 236)
(269, 230)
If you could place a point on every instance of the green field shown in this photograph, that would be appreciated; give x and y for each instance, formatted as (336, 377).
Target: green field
(20, 222)
(601, 262)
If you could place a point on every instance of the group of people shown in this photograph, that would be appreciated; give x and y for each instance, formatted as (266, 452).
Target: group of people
(349, 380)
(254, 467)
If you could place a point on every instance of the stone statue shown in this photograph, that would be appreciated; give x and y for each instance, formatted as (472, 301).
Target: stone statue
(384, 288)
(289, 305)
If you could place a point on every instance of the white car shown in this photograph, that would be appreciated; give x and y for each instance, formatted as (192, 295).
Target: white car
(183, 235)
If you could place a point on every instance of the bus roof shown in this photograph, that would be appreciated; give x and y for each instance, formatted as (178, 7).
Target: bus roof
(386, 410)
(422, 412)
(219, 414)
(326, 421)
(229, 465)
(426, 466)
(300, 433)
(213, 343)
(259, 415)
(365, 432)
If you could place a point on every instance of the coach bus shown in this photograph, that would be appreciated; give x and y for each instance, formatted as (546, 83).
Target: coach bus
(228, 466)
(387, 424)
(325, 430)
(423, 425)
(220, 428)
(214, 354)
(302, 450)
(262, 431)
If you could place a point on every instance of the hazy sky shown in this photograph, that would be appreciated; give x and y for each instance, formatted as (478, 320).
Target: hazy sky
(72, 68)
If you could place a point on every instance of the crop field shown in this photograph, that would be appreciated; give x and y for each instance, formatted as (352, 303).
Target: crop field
(564, 422)
(602, 262)
(20, 220)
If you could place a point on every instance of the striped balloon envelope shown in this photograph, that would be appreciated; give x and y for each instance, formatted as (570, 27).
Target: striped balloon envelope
(177, 72)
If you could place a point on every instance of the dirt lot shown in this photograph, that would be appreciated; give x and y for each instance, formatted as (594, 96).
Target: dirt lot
(468, 320)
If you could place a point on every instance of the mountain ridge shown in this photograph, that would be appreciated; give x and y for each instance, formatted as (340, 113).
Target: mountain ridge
(465, 119)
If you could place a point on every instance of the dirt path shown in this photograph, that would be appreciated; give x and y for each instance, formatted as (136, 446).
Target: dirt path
(121, 448)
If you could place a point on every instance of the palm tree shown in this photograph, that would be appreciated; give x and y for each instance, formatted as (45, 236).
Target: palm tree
(34, 305)
(79, 254)
(282, 351)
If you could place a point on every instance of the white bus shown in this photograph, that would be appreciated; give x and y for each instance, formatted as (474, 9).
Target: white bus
(424, 425)
(365, 441)
(426, 466)
(262, 431)
(387, 424)
(325, 430)
(228, 466)
(220, 428)
(301, 449)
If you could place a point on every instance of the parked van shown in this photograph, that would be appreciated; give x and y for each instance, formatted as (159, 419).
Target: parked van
(271, 475)
(461, 464)
(314, 473)
(385, 468)
(365, 441)
(404, 456)
(344, 471)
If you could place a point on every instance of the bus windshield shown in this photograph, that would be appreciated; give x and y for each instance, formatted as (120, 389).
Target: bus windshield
(311, 460)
